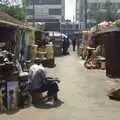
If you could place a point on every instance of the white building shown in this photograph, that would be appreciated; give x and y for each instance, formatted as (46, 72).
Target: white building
(47, 10)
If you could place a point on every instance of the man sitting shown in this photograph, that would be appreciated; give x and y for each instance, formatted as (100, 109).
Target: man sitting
(39, 81)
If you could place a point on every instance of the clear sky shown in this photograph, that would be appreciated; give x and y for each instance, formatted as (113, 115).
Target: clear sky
(69, 9)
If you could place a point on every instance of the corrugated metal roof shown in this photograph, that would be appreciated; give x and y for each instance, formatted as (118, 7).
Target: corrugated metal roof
(107, 31)
(9, 20)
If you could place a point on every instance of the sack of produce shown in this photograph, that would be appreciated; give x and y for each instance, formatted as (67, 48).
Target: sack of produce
(114, 93)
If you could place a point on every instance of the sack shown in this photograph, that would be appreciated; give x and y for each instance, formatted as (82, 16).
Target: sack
(114, 93)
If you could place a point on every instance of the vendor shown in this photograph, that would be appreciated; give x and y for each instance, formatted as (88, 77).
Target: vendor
(74, 43)
(39, 83)
(66, 45)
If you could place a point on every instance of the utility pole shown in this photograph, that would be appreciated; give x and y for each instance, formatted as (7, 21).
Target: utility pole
(79, 19)
(85, 10)
(73, 25)
(33, 2)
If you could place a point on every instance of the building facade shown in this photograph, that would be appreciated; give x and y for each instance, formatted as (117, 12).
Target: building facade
(69, 28)
(80, 13)
(80, 8)
(49, 12)
(100, 3)
(46, 9)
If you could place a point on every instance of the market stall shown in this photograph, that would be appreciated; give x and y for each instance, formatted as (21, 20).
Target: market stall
(44, 48)
(106, 42)
(10, 70)
(112, 48)
(86, 42)
(109, 43)
(92, 50)
(57, 39)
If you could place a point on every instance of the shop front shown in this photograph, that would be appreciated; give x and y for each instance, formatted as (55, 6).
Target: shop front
(10, 50)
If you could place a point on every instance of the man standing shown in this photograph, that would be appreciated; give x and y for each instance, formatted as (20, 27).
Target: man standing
(66, 45)
(74, 44)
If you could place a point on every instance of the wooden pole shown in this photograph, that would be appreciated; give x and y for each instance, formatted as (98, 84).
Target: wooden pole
(86, 7)
(33, 12)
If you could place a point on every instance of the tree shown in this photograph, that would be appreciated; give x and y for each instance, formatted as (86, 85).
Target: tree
(6, 2)
(107, 13)
(17, 12)
(111, 13)
(96, 14)
(14, 10)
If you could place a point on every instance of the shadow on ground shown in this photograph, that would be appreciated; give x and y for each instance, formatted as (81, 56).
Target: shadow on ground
(48, 105)
(16, 111)
(40, 105)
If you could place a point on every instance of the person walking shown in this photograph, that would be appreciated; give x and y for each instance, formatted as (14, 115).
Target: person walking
(74, 44)
(66, 45)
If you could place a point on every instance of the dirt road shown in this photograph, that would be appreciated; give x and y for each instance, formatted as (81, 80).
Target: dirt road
(82, 92)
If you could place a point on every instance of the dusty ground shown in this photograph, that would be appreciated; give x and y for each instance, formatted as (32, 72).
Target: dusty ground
(82, 92)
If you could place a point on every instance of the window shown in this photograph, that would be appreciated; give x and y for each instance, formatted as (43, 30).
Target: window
(118, 5)
(51, 1)
(48, 2)
(37, 2)
(30, 2)
(54, 11)
(30, 11)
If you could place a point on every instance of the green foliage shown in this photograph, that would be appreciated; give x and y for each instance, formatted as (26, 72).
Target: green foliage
(41, 27)
(6, 2)
(96, 14)
(16, 11)
(108, 13)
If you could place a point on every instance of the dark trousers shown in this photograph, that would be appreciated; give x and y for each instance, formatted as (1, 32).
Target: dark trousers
(74, 47)
(51, 87)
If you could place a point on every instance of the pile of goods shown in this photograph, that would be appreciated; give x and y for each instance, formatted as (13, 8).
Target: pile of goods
(46, 53)
(106, 26)
(114, 93)
(13, 86)
(94, 59)
(95, 63)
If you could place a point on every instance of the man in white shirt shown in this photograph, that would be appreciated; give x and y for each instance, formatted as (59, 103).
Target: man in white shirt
(39, 81)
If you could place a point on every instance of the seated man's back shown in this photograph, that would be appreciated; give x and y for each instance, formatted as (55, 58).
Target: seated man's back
(37, 77)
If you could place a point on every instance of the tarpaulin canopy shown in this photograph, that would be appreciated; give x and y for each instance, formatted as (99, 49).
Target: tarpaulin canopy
(57, 34)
